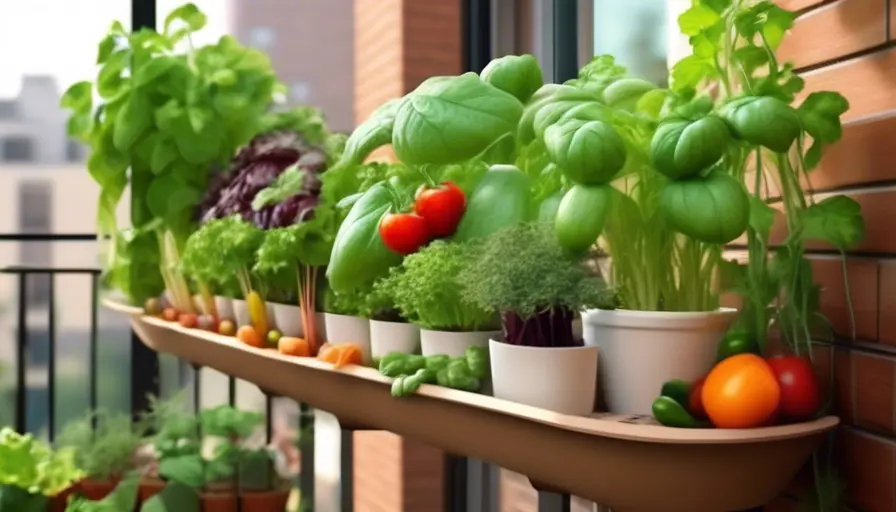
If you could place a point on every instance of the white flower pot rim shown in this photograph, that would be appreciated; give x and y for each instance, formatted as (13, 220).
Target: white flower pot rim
(527, 347)
(669, 320)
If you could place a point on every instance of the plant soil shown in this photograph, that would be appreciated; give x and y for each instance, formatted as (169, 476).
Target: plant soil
(551, 327)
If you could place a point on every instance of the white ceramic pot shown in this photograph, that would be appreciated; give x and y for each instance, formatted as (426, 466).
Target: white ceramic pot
(241, 312)
(320, 322)
(349, 329)
(641, 350)
(224, 305)
(288, 319)
(272, 318)
(388, 337)
(454, 344)
(561, 379)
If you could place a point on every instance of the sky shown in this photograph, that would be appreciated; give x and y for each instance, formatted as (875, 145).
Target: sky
(60, 37)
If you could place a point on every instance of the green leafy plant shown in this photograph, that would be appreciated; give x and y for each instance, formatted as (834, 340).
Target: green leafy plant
(231, 426)
(30, 471)
(523, 273)
(176, 428)
(106, 452)
(754, 97)
(165, 120)
(425, 289)
(123, 497)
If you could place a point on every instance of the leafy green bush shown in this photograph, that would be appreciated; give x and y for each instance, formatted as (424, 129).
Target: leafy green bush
(108, 451)
(30, 465)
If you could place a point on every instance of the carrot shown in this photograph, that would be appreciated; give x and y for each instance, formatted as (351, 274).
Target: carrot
(248, 335)
(328, 353)
(292, 346)
(349, 353)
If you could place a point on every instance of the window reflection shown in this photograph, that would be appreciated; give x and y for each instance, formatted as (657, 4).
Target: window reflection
(634, 31)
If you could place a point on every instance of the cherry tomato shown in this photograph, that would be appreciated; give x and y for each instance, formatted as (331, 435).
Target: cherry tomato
(741, 392)
(695, 399)
(800, 396)
(403, 233)
(441, 207)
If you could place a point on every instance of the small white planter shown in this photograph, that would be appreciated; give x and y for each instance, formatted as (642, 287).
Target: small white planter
(349, 329)
(288, 319)
(224, 305)
(559, 379)
(641, 350)
(454, 344)
(241, 312)
(388, 337)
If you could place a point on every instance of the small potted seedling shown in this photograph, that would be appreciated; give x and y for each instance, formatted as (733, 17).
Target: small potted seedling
(105, 453)
(538, 287)
(425, 290)
(177, 434)
(230, 427)
(32, 475)
(390, 331)
(261, 489)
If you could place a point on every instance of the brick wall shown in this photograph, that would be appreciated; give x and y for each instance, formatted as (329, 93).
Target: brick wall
(848, 46)
(398, 44)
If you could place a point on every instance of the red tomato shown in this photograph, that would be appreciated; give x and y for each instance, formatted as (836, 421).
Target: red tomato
(695, 400)
(741, 392)
(403, 233)
(441, 207)
(800, 396)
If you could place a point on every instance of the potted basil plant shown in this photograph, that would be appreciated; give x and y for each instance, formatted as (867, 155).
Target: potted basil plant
(523, 273)
(425, 290)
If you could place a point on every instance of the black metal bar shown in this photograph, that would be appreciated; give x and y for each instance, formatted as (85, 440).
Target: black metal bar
(18, 269)
(93, 353)
(346, 470)
(197, 387)
(143, 14)
(476, 34)
(306, 447)
(566, 40)
(21, 358)
(231, 391)
(455, 483)
(48, 237)
(551, 502)
(51, 359)
(268, 418)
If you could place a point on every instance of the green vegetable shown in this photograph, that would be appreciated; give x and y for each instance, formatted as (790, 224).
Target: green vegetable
(477, 361)
(547, 211)
(452, 119)
(581, 216)
(359, 256)
(714, 209)
(588, 152)
(681, 148)
(736, 342)
(677, 390)
(106, 451)
(426, 292)
(670, 413)
(30, 470)
(502, 198)
(460, 376)
(437, 362)
(549, 95)
(626, 92)
(575, 108)
(764, 121)
(519, 75)
(373, 133)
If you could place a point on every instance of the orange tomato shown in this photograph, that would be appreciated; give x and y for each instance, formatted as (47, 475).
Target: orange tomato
(248, 335)
(170, 314)
(291, 346)
(741, 392)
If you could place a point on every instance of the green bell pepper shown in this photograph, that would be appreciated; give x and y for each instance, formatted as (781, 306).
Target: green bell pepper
(736, 342)
(677, 390)
(670, 413)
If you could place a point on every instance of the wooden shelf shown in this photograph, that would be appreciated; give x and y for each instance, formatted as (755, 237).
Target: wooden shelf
(627, 463)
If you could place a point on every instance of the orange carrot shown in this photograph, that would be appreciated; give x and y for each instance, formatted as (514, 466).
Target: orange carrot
(328, 353)
(349, 353)
(248, 335)
(292, 346)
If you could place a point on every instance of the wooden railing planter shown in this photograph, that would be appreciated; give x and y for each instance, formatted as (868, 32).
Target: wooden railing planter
(624, 462)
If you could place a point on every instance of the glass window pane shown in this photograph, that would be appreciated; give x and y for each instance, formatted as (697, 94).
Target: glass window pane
(634, 31)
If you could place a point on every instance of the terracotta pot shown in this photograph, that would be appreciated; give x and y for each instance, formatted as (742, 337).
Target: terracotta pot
(59, 502)
(149, 487)
(218, 502)
(270, 501)
(95, 490)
